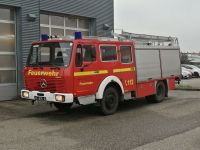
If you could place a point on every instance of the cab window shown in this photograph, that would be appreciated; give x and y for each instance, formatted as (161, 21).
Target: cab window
(126, 54)
(89, 53)
(108, 53)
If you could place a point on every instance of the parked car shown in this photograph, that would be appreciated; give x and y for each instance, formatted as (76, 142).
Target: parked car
(186, 74)
(195, 70)
(198, 66)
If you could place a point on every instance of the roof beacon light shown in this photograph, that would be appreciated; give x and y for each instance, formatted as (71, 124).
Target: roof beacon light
(44, 37)
(78, 35)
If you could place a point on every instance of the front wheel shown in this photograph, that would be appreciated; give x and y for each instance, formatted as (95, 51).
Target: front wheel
(110, 101)
(160, 93)
(63, 106)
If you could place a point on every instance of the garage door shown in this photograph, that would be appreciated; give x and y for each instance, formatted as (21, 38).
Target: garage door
(8, 85)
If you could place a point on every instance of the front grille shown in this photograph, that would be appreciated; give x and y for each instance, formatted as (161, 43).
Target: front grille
(53, 84)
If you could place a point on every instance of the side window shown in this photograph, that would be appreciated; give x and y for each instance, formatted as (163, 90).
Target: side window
(79, 59)
(108, 53)
(126, 54)
(89, 53)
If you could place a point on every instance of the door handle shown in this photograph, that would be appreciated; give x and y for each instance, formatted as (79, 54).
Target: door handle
(82, 69)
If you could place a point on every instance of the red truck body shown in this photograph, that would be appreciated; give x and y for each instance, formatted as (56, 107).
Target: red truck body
(94, 66)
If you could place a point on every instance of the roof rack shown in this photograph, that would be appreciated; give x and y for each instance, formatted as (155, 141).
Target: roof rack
(140, 40)
(148, 40)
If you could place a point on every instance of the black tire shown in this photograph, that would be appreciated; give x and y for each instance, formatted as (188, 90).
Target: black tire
(160, 93)
(62, 106)
(110, 101)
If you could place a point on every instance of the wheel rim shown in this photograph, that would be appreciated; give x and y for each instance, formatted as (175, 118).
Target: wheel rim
(110, 101)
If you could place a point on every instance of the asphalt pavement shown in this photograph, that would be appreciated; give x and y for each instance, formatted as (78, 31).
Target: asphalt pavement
(173, 124)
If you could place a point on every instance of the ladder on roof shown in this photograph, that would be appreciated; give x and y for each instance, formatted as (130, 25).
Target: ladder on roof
(148, 40)
(140, 40)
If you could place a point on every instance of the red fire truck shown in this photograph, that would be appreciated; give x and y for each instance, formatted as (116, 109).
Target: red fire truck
(101, 71)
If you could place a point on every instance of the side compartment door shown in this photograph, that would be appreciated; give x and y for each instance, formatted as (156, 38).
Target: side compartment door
(85, 69)
(127, 70)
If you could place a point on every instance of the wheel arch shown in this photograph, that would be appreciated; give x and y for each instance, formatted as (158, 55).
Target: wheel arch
(109, 81)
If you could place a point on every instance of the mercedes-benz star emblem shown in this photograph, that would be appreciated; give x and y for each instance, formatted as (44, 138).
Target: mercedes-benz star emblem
(43, 83)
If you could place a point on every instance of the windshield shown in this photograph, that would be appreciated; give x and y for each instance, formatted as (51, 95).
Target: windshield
(50, 54)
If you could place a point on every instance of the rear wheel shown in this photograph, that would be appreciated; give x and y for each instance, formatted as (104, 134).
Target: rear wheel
(160, 93)
(110, 101)
(62, 106)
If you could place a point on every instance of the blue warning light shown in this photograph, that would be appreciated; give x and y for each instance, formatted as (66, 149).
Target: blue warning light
(44, 37)
(77, 35)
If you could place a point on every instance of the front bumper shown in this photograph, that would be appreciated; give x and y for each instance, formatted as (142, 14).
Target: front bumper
(49, 97)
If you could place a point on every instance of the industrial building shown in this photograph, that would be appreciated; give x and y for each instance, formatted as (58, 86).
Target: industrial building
(22, 22)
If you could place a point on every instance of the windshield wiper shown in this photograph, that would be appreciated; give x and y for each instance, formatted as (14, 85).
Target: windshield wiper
(35, 65)
(32, 65)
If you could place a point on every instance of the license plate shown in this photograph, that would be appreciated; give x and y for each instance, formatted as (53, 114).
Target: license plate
(37, 98)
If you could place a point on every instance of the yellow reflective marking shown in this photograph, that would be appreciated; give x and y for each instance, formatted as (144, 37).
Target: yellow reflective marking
(124, 70)
(90, 73)
(86, 83)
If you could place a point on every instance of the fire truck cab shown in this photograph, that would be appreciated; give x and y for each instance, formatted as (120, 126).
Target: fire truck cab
(100, 71)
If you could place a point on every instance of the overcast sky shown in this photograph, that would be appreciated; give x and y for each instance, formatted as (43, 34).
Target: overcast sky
(179, 18)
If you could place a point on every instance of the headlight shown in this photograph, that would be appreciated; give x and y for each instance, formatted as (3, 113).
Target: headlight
(25, 94)
(60, 98)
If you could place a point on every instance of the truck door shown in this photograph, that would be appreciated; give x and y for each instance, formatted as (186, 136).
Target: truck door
(84, 71)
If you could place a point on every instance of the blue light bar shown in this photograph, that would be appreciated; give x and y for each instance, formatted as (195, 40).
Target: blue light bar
(44, 37)
(77, 35)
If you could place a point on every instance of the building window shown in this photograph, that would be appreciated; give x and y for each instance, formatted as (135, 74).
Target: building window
(108, 53)
(6, 14)
(57, 21)
(44, 30)
(44, 19)
(126, 54)
(71, 22)
(63, 25)
(57, 31)
(84, 24)
(7, 46)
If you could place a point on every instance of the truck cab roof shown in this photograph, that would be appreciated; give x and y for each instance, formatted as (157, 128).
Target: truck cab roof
(94, 41)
